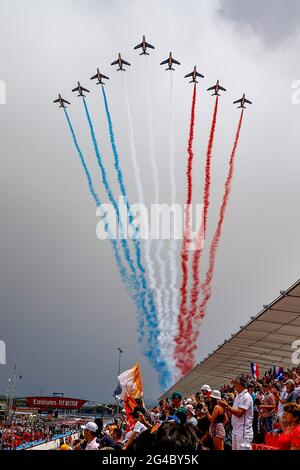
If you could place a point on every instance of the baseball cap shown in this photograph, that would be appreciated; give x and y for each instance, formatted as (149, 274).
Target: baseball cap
(90, 427)
(176, 395)
(216, 394)
(174, 419)
(289, 382)
(206, 388)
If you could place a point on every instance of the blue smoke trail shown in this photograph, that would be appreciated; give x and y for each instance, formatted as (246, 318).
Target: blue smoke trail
(154, 353)
(123, 272)
(124, 243)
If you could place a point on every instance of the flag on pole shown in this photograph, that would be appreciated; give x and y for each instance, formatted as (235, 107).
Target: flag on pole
(255, 370)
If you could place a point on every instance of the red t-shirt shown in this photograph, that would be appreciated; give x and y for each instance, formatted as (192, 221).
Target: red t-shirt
(290, 439)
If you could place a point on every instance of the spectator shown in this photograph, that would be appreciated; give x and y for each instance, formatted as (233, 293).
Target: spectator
(178, 407)
(191, 415)
(267, 409)
(206, 391)
(290, 438)
(217, 418)
(117, 437)
(256, 402)
(140, 426)
(90, 435)
(203, 425)
(241, 415)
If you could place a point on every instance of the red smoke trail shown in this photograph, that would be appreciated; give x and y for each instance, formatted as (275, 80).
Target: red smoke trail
(186, 236)
(206, 287)
(201, 234)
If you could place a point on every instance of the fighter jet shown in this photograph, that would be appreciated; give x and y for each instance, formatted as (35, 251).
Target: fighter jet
(170, 61)
(144, 46)
(80, 90)
(242, 102)
(99, 76)
(216, 87)
(61, 101)
(120, 62)
(194, 75)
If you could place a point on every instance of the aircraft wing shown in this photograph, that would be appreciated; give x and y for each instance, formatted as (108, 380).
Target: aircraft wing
(104, 76)
(65, 101)
(138, 46)
(150, 45)
(115, 62)
(238, 101)
(175, 62)
(199, 74)
(56, 101)
(95, 76)
(221, 88)
(189, 75)
(84, 89)
(247, 101)
(211, 88)
(164, 62)
(124, 62)
(76, 89)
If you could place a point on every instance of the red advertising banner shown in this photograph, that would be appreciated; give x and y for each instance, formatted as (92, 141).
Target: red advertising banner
(46, 403)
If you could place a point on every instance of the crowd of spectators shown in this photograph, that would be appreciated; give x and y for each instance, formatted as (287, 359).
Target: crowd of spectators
(257, 414)
(21, 432)
(245, 414)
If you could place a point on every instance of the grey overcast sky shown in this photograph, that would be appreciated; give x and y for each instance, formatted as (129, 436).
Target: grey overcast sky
(63, 308)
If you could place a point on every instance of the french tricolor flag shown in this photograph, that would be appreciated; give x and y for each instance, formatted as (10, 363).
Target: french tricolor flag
(255, 370)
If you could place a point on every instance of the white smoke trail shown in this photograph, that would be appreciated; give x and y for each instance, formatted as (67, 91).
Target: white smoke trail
(173, 243)
(161, 288)
(138, 181)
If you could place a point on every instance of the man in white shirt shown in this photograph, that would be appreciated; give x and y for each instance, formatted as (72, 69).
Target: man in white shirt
(90, 435)
(241, 415)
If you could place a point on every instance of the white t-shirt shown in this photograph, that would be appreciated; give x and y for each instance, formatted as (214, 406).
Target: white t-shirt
(242, 427)
(139, 427)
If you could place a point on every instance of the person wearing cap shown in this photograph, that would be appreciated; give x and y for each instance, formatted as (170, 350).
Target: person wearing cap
(217, 418)
(206, 391)
(90, 434)
(292, 393)
(178, 407)
(191, 415)
(241, 414)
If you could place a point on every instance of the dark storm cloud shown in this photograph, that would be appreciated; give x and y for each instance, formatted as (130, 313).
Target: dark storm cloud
(274, 20)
